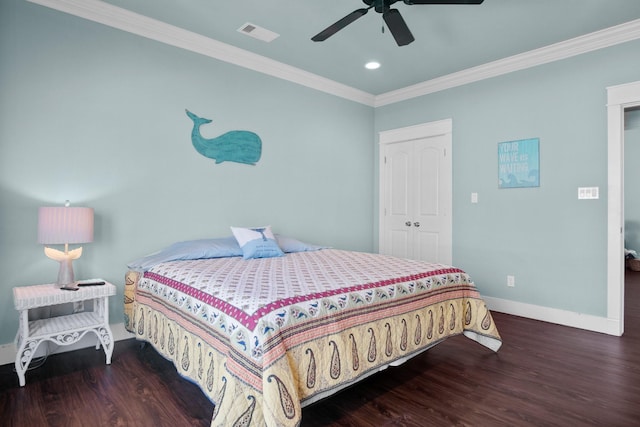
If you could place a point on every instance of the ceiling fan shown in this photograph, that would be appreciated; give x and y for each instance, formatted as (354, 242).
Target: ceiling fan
(392, 18)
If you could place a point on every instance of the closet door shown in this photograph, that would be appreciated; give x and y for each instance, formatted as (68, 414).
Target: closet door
(416, 199)
(432, 192)
(399, 192)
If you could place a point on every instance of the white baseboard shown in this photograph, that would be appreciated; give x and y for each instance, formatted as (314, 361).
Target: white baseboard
(553, 315)
(546, 314)
(8, 351)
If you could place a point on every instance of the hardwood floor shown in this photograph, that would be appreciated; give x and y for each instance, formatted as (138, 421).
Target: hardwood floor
(544, 375)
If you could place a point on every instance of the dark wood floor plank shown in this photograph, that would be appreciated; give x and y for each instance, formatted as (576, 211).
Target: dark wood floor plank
(544, 375)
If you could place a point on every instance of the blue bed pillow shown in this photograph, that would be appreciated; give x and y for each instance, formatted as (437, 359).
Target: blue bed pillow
(190, 249)
(257, 242)
(213, 248)
(289, 244)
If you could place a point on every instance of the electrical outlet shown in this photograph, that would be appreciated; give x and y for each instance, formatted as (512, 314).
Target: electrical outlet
(511, 281)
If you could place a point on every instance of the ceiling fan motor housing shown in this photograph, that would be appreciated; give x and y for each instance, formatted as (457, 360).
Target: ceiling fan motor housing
(381, 6)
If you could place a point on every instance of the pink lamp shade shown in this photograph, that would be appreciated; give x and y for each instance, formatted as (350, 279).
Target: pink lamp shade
(63, 225)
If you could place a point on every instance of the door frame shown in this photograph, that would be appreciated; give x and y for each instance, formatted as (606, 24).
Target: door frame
(618, 98)
(424, 130)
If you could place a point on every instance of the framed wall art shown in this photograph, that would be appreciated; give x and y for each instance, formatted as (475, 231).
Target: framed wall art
(519, 163)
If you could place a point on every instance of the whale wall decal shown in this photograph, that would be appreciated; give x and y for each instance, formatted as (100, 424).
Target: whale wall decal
(238, 146)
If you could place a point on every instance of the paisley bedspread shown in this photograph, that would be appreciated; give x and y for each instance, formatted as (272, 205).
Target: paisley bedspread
(264, 337)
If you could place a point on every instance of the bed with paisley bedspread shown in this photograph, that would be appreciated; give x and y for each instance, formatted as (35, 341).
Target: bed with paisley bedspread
(264, 337)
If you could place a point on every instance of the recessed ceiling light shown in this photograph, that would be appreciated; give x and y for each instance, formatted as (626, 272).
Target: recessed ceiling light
(373, 65)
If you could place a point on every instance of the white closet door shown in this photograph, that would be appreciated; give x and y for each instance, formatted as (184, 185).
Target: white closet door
(399, 194)
(431, 219)
(416, 195)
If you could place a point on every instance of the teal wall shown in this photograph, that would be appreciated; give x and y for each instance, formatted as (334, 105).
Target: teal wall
(553, 243)
(96, 116)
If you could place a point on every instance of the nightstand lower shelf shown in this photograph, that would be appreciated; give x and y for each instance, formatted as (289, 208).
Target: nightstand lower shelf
(65, 330)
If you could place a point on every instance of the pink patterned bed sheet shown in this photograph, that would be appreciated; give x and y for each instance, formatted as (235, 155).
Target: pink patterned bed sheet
(261, 337)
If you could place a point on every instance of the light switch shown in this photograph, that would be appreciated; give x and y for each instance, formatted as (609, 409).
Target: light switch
(588, 193)
(474, 197)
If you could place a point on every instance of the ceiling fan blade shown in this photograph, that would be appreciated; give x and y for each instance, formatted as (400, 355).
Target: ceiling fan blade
(334, 28)
(443, 1)
(398, 27)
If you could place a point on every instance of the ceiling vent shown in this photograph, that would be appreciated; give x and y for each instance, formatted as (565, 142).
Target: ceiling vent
(258, 32)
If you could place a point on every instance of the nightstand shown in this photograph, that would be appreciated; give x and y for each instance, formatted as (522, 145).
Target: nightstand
(61, 330)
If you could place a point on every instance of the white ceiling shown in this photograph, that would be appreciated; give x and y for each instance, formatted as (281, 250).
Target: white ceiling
(448, 38)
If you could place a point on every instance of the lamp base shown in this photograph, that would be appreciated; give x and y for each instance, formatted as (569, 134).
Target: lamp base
(65, 273)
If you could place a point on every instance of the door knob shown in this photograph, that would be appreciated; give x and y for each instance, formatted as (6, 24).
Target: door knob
(417, 224)
(408, 223)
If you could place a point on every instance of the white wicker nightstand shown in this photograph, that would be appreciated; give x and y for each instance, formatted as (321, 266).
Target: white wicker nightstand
(61, 330)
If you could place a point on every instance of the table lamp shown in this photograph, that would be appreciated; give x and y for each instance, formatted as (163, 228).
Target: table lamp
(64, 225)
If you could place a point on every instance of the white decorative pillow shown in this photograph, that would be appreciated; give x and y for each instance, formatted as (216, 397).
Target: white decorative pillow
(257, 242)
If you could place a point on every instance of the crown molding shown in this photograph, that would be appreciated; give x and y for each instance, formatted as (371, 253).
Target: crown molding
(555, 52)
(134, 23)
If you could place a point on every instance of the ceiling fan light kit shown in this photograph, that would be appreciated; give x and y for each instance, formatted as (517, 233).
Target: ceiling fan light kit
(396, 24)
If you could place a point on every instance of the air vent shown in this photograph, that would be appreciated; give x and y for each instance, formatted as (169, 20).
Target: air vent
(258, 32)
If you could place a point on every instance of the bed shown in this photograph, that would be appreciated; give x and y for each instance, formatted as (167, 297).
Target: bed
(264, 337)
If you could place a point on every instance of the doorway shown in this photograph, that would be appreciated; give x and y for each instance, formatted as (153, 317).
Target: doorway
(619, 99)
(631, 212)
